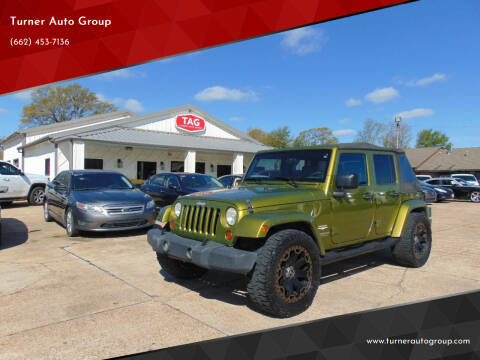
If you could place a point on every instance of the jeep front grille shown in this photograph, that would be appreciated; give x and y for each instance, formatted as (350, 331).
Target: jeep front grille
(199, 219)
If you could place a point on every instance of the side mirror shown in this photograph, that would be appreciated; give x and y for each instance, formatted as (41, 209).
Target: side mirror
(348, 181)
(173, 187)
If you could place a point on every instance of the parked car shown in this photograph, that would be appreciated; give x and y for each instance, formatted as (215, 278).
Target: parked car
(296, 211)
(229, 181)
(17, 185)
(97, 200)
(460, 188)
(441, 193)
(164, 188)
(469, 178)
(429, 194)
(423, 177)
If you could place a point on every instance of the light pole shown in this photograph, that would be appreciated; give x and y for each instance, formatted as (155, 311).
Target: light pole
(398, 118)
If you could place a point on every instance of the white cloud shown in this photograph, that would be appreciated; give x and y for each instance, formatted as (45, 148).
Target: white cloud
(25, 95)
(133, 105)
(382, 95)
(127, 104)
(235, 119)
(222, 93)
(121, 74)
(353, 102)
(2, 110)
(416, 113)
(344, 132)
(428, 80)
(344, 121)
(304, 41)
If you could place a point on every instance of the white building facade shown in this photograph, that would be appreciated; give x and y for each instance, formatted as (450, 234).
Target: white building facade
(182, 139)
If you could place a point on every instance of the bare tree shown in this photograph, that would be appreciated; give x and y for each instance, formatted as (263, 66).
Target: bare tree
(372, 132)
(389, 137)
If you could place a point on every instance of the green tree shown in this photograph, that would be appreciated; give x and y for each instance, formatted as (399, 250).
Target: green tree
(315, 136)
(259, 135)
(279, 138)
(431, 138)
(372, 132)
(389, 137)
(54, 104)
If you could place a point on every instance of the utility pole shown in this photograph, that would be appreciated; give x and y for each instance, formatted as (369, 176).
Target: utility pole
(398, 118)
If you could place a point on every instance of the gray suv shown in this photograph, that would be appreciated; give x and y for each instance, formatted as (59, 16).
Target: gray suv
(95, 200)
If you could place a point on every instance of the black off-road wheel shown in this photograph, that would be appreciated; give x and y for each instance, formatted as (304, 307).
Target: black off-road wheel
(413, 248)
(180, 269)
(36, 196)
(286, 274)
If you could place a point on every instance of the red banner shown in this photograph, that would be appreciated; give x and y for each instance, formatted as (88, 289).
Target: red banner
(48, 41)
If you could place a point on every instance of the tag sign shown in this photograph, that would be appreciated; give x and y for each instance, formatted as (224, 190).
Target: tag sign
(190, 123)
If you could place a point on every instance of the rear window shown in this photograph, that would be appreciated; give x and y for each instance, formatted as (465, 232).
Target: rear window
(406, 171)
(384, 169)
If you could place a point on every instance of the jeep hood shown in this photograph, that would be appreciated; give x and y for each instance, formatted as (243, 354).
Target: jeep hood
(259, 195)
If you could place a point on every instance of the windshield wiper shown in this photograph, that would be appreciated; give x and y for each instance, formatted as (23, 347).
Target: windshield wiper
(85, 189)
(291, 181)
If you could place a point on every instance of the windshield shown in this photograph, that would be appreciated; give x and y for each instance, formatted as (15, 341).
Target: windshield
(298, 165)
(465, 177)
(199, 181)
(96, 181)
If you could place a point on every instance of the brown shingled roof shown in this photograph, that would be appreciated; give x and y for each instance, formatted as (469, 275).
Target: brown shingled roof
(460, 159)
(417, 157)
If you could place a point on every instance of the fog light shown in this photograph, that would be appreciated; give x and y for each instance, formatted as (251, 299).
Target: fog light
(264, 228)
(228, 235)
(172, 224)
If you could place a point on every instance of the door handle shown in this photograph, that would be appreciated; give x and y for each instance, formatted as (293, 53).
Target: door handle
(6, 179)
(368, 196)
(394, 194)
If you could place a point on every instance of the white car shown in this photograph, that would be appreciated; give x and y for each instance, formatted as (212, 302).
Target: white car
(423, 177)
(15, 185)
(469, 178)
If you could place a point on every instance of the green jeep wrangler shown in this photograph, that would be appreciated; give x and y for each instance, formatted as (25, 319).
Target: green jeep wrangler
(294, 211)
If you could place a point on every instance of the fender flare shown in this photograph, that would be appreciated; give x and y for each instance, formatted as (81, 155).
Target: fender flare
(405, 209)
(250, 226)
(164, 213)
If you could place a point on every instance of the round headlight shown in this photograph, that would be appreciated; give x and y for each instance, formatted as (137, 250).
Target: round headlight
(231, 216)
(178, 208)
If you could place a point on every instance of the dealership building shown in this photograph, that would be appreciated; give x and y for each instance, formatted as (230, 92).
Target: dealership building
(180, 139)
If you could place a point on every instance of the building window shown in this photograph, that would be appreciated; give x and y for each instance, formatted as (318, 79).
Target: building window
(200, 168)
(96, 164)
(47, 167)
(15, 162)
(224, 170)
(145, 169)
(177, 166)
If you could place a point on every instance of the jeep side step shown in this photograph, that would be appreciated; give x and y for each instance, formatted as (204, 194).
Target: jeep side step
(368, 247)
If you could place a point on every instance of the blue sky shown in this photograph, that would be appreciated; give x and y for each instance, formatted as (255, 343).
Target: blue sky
(420, 60)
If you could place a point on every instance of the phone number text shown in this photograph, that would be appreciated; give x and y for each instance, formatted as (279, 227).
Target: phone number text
(39, 42)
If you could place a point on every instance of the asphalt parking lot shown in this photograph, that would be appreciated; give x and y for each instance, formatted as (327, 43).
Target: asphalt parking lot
(96, 297)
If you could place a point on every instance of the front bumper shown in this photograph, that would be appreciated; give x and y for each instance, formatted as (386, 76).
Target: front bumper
(91, 222)
(208, 254)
